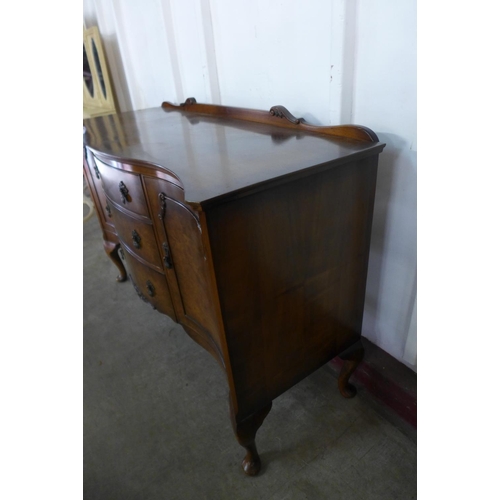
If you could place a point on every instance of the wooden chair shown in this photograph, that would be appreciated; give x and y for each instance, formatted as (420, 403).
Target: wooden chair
(98, 97)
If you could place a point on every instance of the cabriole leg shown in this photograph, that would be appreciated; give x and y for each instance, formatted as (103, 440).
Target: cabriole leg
(112, 251)
(245, 434)
(352, 358)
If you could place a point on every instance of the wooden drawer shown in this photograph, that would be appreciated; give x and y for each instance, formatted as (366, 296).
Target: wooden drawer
(150, 285)
(137, 235)
(124, 188)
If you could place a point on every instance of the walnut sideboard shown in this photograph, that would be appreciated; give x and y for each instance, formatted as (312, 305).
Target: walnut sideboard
(249, 228)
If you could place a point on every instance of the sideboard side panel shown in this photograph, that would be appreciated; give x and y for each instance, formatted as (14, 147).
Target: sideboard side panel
(291, 264)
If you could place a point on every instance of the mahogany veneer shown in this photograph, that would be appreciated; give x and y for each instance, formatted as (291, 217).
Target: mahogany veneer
(249, 228)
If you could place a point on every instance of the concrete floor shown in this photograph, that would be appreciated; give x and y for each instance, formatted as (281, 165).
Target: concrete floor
(156, 420)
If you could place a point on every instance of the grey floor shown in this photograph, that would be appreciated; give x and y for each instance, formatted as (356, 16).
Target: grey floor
(156, 420)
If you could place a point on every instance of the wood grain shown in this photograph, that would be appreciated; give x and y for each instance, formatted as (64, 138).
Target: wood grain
(249, 228)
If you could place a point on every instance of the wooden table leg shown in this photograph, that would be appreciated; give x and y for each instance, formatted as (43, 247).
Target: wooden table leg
(112, 251)
(245, 431)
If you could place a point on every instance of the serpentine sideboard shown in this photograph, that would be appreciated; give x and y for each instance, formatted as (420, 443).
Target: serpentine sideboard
(249, 228)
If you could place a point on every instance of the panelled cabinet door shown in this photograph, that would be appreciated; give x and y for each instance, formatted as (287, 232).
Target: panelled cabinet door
(188, 259)
(185, 262)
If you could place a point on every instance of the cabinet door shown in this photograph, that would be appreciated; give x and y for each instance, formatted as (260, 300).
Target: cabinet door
(186, 264)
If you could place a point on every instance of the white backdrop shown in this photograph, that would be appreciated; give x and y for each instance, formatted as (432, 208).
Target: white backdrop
(328, 61)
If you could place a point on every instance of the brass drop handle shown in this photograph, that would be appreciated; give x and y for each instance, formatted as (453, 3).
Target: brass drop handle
(136, 239)
(123, 191)
(108, 210)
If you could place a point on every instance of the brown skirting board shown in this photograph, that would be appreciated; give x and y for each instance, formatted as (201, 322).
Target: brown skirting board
(389, 381)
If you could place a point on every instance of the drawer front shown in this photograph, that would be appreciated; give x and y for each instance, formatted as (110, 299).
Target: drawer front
(124, 188)
(137, 235)
(150, 285)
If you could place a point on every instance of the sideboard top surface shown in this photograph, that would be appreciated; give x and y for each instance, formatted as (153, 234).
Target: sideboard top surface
(215, 156)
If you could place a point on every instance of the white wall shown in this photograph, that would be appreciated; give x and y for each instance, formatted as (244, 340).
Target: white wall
(385, 99)
(329, 61)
